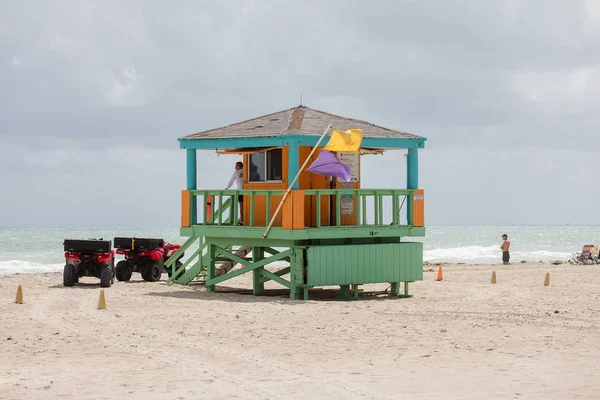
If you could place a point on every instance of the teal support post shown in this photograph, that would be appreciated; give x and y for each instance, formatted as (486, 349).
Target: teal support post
(412, 177)
(412, 169)
(191, 180)
(293, 165)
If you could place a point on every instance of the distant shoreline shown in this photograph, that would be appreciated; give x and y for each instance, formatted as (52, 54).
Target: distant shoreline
(553, 262)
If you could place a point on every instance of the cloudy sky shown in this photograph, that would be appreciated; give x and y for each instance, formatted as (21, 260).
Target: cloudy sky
(94, 94)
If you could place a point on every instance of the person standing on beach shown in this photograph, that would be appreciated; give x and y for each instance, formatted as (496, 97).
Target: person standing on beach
(504, 247)
(238, 178)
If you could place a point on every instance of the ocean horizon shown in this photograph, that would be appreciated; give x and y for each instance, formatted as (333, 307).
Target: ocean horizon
(39, 249)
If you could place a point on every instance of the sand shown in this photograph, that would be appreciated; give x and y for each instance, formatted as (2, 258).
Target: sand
(456, 339)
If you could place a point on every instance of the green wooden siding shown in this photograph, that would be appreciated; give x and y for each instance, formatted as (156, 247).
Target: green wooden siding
(359, 264)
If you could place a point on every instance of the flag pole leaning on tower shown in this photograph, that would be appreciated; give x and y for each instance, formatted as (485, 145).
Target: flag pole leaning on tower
(287, 192)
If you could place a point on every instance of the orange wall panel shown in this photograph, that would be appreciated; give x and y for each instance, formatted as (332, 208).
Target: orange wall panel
(293, 210)
(260, 204)
(287, 212)
(185, 208)
(298, 209)
(304, 181)
(419, 208)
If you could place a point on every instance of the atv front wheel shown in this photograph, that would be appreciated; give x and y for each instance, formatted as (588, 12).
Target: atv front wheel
(70, 275)
(123, 271)
(106, 275)
(153, 271)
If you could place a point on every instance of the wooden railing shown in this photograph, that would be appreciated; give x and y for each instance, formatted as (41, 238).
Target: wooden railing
(316, 208)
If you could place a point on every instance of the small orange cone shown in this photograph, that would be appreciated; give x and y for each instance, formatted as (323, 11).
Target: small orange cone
(493, 276)
(101, 301)
(19, 299)
(547, 280)
(440, 275)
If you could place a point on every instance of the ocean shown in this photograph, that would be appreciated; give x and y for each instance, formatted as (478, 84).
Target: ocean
(31, 250)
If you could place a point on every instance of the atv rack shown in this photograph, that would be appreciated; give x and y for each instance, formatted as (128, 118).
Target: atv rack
(87, 245)
(132, 243)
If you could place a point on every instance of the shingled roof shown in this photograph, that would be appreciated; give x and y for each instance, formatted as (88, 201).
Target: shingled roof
(297, 120)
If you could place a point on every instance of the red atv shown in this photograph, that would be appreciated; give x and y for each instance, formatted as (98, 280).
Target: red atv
(144, 255)
(92, 257)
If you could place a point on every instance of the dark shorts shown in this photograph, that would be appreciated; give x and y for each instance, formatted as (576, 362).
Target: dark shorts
(505, 256)
(241, 198)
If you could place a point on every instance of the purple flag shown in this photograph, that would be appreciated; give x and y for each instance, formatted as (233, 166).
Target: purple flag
(328, 164)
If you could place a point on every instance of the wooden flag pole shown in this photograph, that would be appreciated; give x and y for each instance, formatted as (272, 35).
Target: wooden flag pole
(287, 192)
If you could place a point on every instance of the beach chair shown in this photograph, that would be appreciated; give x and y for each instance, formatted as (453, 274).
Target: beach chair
(589, 254)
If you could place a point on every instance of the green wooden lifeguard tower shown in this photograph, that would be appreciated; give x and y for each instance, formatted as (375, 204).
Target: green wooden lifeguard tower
(330, 232)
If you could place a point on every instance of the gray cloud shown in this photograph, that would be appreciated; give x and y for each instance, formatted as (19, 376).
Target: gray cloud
(95, 94)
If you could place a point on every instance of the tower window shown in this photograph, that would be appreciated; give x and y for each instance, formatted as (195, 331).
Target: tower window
(266, 166)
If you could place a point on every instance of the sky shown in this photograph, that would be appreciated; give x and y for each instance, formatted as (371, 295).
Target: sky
(95, 94)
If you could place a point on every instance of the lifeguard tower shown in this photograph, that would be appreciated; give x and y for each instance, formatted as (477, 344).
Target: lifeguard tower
(326, 232)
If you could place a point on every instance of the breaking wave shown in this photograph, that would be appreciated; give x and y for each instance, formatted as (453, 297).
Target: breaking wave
(488, 255)
(28, 267)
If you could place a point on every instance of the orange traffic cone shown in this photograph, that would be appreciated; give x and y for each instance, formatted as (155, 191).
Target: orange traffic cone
(19, 299)
(493, 276)
(440, 275)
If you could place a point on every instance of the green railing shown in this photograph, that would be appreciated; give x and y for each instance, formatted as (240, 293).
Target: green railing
(369, 202)
(369, 206)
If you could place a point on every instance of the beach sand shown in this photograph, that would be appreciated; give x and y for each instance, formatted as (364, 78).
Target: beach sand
(460, 338)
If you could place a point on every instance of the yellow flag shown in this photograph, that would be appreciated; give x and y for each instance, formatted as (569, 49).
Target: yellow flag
(344, 141)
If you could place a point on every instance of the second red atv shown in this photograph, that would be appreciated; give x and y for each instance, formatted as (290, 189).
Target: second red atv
(144, 255)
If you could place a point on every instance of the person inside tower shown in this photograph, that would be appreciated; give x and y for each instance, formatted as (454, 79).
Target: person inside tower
(238, 178)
